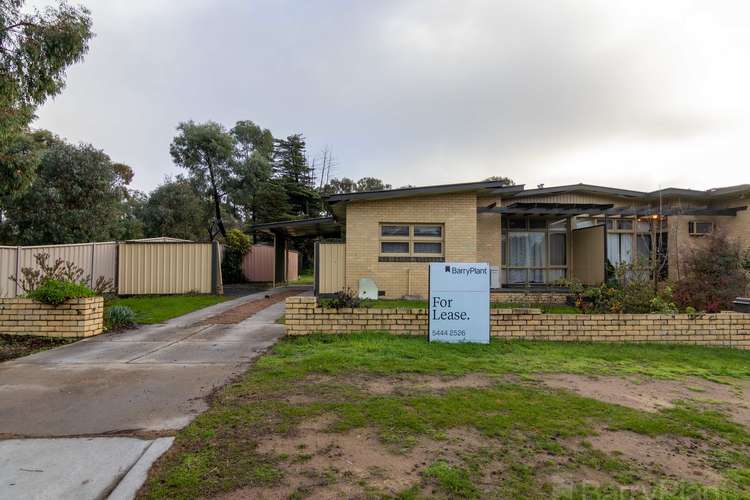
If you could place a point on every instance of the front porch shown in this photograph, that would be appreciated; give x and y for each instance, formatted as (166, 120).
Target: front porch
(543, 244)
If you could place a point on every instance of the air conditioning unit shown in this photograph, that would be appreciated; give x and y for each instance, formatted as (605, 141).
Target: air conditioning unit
(495, 277)
(700, 228)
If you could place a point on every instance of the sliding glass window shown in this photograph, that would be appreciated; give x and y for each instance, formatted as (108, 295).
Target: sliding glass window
(534, 251)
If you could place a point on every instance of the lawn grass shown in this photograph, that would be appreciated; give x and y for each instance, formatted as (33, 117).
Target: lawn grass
(16, 346)
(158, 308)
(307, 278)
(422, 304)
(308, 377)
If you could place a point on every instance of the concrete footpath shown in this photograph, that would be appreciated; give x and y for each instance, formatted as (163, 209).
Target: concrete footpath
(144, 383)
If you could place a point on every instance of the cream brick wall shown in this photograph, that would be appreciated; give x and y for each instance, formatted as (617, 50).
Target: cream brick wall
(76, 318)
(727, 329)
(488, 233)
(458, 213)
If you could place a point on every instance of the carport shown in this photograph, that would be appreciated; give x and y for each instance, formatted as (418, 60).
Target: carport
(282, 232)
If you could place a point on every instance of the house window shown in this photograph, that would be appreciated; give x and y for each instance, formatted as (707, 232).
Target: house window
(696, 228)
(620, 248)
(534, 250)
(411, 240)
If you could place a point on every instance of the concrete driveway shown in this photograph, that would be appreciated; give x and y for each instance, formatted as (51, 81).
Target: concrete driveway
(146, 382)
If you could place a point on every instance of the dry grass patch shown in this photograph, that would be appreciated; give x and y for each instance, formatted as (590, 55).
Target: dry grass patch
(647, 394)
(378, 416)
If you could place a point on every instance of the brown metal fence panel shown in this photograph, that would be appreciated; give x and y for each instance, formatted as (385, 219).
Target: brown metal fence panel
(164, 268)
(292, 265)
(257, 265)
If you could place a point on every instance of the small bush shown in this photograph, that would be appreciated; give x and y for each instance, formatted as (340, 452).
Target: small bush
(64, 270)
(54, 291)
(343, 299)
(237, 244)
(714, 276)
(120, 317)
(629, 290)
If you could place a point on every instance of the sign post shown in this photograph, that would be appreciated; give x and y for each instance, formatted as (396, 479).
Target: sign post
(459, 307)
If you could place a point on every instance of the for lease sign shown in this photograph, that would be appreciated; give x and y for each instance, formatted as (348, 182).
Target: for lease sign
(459, 305)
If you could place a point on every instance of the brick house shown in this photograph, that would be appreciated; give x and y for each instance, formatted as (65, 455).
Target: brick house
(531, 237)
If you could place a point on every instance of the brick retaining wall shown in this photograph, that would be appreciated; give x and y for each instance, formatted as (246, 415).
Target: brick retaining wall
(303, 316)
(82, 317)
(523, 297)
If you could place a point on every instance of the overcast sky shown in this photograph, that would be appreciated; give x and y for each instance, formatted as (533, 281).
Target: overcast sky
(636, 94)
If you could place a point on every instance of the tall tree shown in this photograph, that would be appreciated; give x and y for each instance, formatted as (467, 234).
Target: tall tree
(346, 185)
(296, 175)
(506, 181)
(35, 50)
(176, 209)
(205, 150)
(254, 192)
(77, 196)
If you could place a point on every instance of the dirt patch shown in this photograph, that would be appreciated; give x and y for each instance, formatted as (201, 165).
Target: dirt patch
(424, 383)
(16, 346)
(677, 458)
(409, 383)
(352, 464)
(653, 395)
(244, 311)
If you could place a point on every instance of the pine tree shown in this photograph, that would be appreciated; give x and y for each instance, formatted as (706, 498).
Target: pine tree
(296, 176)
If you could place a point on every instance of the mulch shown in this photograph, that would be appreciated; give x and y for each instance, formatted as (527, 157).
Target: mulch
(244, 311)
(16, 346)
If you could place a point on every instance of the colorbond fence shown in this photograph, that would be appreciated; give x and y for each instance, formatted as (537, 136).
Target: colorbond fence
(158, 266)
(96, 259)
(165, 268)
(257, 265)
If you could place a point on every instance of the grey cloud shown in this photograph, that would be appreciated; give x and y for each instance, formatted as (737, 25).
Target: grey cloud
(413, 92)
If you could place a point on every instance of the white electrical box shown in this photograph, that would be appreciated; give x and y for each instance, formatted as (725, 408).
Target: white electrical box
(495, 277)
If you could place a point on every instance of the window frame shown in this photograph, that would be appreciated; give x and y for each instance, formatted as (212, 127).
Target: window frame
(552, 226)
(411, 239)
(694, 224)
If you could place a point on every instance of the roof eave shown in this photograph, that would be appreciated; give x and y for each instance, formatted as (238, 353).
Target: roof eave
(489, 187)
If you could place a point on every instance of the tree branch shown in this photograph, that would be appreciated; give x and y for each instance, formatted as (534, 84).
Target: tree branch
(18, 25)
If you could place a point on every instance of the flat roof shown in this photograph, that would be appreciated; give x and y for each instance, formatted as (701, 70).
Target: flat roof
(318, 226)
(588, 188)
(628, 193)
(490, 187)
(572, 209)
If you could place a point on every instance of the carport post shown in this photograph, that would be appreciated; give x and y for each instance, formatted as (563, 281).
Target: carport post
(279, 258)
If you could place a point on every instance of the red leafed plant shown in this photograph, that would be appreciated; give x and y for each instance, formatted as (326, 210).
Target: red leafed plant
(713, 275)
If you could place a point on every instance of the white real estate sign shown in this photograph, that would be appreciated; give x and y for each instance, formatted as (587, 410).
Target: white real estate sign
(459, 308)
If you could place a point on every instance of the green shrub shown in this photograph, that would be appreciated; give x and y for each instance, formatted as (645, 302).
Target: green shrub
(120, 317)
(342, 299)
(55, 291)
(237, 244)
(713, 276)
(630, 290)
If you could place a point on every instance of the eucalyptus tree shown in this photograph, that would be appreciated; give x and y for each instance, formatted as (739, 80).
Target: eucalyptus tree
(206, 151)
(36, 48)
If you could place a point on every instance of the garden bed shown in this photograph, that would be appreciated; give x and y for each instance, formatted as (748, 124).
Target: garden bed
(422, 304)
(16, 346)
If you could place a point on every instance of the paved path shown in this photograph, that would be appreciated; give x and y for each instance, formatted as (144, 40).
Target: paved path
(145, 382)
